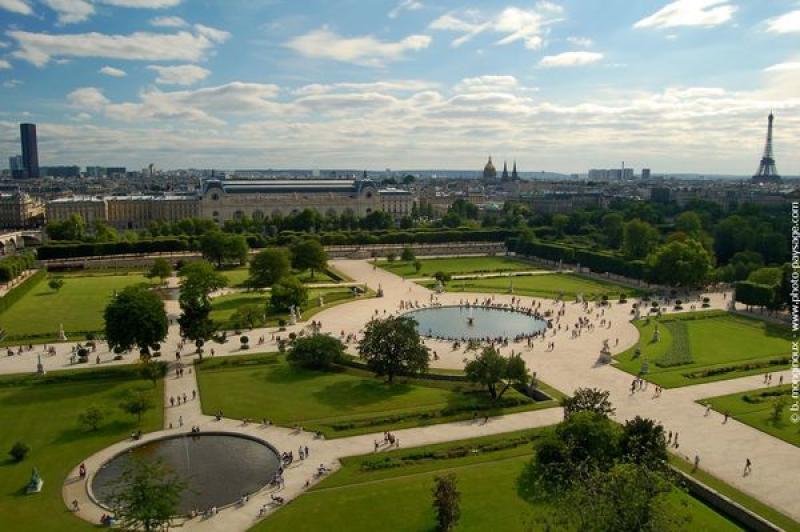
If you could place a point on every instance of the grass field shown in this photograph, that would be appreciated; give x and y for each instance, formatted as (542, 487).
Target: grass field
(225, 306)
(755, 408)
(458, 265)
(399, 498)
(44, 416)
(237, 277)
(545, 285)
(720, 345)
(340, 403)
(79, 305)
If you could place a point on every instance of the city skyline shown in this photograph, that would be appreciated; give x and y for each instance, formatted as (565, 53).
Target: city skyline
(559, 87)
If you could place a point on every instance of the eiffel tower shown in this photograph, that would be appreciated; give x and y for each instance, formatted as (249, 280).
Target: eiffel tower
(767, 173)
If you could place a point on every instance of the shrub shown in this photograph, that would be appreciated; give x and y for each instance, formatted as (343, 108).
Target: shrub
(244, 340)
(19, 451)
(318, 351)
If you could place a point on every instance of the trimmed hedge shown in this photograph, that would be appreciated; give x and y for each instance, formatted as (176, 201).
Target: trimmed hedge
(122, 247)
(16, 293)
(599, 262)
(13, 266)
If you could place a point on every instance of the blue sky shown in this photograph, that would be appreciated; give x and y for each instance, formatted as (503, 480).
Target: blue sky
(681, 86)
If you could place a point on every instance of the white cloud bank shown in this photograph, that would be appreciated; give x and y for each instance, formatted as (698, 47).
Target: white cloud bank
(568, 59)
(113, 72)
(365, 50)
(180, 74)
(689, 13)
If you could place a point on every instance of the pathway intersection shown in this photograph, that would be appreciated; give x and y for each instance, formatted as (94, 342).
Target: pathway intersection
(722, 448)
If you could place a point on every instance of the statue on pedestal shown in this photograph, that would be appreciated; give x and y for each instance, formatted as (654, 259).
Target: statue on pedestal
(35, 483)
(637, 313)
(656, 334)
(321, 301)
(439, 286)
(645, 367)
(293, 315)
(380, 291)
(62, 337)
(39, 366)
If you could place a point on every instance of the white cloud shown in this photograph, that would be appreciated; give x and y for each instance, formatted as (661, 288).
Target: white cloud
(786, 23)
(218, 36)
(143, 4)
(515, 24)
(16, 6)
(487, 84)
(179, 74)
(4, 65)
(583, 42)
(113, 72)
(567, 59)
(87, 99)
(405, 5)
(379, 86)
(40, 48)
(11, 83)
(689, 13)
(782, 67)
(168, 22)
(71, 11)
(367, 50)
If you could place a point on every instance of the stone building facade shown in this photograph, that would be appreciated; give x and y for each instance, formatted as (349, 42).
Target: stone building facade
(18, 210)
(233, 199)
(222, 200)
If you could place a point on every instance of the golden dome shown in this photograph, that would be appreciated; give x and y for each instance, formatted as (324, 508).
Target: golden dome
(489, 170)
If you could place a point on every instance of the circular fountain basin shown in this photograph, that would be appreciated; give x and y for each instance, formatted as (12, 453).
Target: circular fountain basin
(475, 323)
(218, 468)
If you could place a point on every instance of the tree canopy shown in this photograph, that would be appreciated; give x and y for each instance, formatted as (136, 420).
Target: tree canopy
(318, 351)
(146, 496)
(288, 292)
(309, 254)
(685, 264)
(392, 346)
(135, 317)
(494, 371)
(267, 266)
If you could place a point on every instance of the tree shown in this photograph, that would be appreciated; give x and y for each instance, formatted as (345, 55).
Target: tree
(642, 442)
(199, 279)
(267, 266)
(392, 346)
(135, 317)
(559, 223)
(492, 370)
(767, 276)
(318, 351)
(146, 496)
(19, 451)
(56, 283)
(685, 264)
(161, 268)
(136, 403)
(153, 371)
(639, 238)
(248, 317)
(407, 255)
(417, 266)
(288, 292)
(309, 254)
(689, 222)
(446, 502)
(91, 418)
(222, 248)
(442, 277)
(587, 400)
(613, 226)
(73, 228)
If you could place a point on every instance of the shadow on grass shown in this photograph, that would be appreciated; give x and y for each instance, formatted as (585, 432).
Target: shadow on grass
(115, 427)
(352, 394)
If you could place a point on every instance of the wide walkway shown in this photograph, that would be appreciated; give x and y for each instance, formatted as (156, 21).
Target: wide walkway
(722, 448)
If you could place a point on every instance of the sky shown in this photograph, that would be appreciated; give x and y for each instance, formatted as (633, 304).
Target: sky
(563, 86)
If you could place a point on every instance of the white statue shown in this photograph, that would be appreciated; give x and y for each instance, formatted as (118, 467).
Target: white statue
(62, 337)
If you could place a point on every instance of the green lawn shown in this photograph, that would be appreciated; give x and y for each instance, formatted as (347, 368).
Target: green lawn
(755, 408)
(458, 265)
(44, 416)
(224, 307)
(550, 285)
(340, 403)
(358, 498)
(237, 277)
(701, 347)
(78, 305)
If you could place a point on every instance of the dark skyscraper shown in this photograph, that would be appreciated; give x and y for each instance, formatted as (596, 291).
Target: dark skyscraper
(30, 149)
